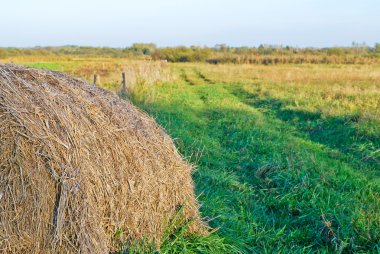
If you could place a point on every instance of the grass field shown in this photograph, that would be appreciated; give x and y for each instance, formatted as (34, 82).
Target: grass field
(287, 157)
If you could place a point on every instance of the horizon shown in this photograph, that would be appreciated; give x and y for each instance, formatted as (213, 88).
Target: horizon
(169, 23)
(353, 45)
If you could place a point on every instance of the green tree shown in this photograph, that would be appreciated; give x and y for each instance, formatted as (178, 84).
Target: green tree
(377, 47)
(335, 51)
(142, 48)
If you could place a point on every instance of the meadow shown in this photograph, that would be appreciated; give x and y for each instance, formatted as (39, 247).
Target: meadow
(287, 157)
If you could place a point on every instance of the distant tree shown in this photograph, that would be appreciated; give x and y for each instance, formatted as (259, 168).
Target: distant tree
(178, 54)
(142, 48)
(201, 54)
(360, 47)
(265, 49)
(335, 51)
(377, 47)
(221, 47)
(242, 50)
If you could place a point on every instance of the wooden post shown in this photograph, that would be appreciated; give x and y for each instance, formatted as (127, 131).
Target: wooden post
(124, 86)
(95, 78)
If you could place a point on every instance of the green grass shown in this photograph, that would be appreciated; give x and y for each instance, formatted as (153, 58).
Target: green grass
(56, 66)
(287, 157)
(274, 178)
(50, 66)
(176, 239)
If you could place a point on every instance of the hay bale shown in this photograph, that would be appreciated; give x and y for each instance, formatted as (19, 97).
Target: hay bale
(77, 164)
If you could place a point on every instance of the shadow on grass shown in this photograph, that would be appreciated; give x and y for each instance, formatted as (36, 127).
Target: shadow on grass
(341, 133)
(264, 188)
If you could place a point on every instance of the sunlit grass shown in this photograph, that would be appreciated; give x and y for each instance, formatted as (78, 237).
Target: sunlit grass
(284, 166)
(287, 157)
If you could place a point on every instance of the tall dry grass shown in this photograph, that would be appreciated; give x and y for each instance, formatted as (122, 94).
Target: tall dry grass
(332, 90)
(142, 77)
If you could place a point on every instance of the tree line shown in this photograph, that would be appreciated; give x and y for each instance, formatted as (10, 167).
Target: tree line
(221, 53)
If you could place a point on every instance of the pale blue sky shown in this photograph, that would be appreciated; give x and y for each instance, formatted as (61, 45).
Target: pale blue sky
(119, 23)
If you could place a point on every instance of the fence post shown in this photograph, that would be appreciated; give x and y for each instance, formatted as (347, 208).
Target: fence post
(95, 78)
(124, 86)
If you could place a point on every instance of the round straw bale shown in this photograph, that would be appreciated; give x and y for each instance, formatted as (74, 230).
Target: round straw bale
(77, 165)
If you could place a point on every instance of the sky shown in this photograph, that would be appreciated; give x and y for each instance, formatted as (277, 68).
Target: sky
(119, 23)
